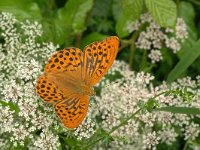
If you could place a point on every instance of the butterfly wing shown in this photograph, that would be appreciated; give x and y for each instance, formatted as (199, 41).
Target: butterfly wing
(48, 90)
(98, 57)
(72, 110)
(66, 63)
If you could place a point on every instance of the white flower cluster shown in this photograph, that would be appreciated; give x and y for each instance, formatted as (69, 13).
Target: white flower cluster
(24, 119)
(154, 37)
(85, 130)
(21, 115)
(46, 141)
(123, 97)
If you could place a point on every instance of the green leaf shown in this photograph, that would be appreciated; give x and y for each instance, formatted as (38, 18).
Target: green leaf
(181, 110)
(22, 9)
(11, 105)
(131, 10)
(121, 26)
(164, 12)
(91, 38)
(80, 16)
(189, 57)
(189, 18)
(70, 20)
(69, 15)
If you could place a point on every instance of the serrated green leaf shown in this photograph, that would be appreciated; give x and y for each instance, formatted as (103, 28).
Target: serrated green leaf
(189, 57)
(131, 10)
(164, 12)
(181, 110)
(22, 9)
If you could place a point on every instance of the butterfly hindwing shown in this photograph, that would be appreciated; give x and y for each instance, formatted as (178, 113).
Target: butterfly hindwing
(98, 57)
(72, 110)
(48, 90)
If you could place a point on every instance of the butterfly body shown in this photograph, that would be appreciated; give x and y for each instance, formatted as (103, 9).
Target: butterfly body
(70, 75)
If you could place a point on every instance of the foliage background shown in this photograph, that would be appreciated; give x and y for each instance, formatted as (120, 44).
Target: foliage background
(78, 23)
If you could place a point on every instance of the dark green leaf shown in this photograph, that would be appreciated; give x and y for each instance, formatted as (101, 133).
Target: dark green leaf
(189, 57)
(181, 110)
(71, 19)
(163, 12)
(73, 15)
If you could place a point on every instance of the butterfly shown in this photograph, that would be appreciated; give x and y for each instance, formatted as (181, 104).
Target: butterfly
(69, 77)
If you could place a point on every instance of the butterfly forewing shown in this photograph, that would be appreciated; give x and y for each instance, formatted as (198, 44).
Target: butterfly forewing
(72, 110)
(65, 61)
(98, 57)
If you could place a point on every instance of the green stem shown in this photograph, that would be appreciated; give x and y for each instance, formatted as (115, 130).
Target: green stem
(132, 47)
(186, 144)
(114, 128)
(132, 50)
(124, 43)
(144, 60)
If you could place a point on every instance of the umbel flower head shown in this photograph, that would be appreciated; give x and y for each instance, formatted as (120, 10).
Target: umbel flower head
(154, 37)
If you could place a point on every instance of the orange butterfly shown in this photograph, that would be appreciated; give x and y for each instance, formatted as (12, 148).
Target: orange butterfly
(70, 75)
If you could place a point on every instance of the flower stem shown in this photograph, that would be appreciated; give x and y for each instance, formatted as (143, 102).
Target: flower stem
(132, 49)
(186, 144)
(132, 44)
(114, 129)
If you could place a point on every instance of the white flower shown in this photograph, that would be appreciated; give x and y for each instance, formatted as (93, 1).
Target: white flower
(191, 131)
(85, 130)
(155, 56)
(46, 141)
(133, 26)
(173, 44)
(181, 29)
(146, 17)
(28, 70)
(168, 135)
(150, 140)
(12, 91)
(148, 119)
